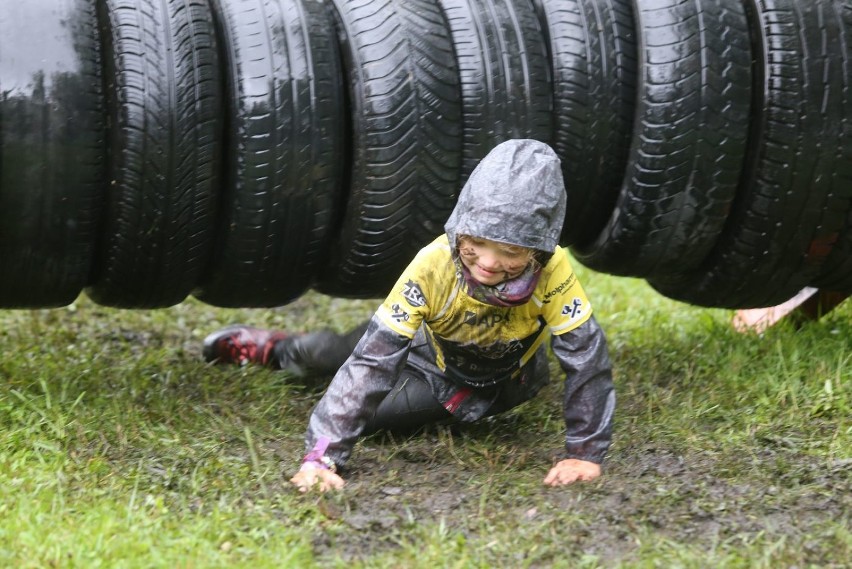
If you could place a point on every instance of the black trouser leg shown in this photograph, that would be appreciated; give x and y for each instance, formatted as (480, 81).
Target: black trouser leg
(409, 406)
(317, 352)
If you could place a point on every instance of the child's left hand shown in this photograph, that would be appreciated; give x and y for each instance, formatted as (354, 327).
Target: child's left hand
(321, 479)
(570, 470)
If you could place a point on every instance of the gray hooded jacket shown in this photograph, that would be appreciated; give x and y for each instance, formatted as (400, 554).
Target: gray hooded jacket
(515, 196)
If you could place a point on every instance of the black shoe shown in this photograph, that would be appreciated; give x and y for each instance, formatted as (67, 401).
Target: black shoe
(241, 345)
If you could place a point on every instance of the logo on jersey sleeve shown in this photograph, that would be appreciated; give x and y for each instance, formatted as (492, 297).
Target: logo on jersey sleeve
(413, 294)
(560, 288)
(573, 310)
(399, 314)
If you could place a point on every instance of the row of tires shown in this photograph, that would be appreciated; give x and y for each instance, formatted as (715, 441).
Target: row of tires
(243, 151)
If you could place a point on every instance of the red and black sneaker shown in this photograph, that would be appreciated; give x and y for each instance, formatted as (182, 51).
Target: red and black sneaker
(241, 345)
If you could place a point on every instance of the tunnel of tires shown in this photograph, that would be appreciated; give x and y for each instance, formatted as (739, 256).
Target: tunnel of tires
(245, 151)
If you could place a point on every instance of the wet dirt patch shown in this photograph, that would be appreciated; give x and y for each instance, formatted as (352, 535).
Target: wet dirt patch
(700, 499)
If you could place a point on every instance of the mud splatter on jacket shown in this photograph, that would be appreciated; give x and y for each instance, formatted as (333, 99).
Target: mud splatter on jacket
(471, 352)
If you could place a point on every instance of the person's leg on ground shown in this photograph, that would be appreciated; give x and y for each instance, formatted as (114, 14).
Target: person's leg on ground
(315, 352)
(409, 406)
(320, 352)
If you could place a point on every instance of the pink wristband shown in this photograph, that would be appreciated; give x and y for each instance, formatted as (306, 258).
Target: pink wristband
(312, 465)
(316, 457)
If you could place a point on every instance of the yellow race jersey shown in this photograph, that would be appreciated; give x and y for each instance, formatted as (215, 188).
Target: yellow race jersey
(477, 343)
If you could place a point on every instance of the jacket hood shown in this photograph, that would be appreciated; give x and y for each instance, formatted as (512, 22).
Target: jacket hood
(515, 195)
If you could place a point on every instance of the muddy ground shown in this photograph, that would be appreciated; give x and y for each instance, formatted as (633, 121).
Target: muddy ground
(698, 500)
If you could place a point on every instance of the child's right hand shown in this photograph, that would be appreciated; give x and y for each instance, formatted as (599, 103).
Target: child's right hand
(324, 480)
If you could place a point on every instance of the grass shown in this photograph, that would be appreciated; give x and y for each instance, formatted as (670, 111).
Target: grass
(120, 448)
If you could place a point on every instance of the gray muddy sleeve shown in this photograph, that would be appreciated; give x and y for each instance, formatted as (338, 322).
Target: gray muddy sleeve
(589, 402)
(357, 389)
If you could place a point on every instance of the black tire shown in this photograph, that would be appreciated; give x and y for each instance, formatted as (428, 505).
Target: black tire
(406, 140)
(792, 203)
(592, 48)
(689, 140)
(504, 72)
(283, 156)
(836, 273)
(163, 96)
(51, 150)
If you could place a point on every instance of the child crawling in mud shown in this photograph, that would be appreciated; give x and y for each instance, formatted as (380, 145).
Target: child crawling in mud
(462, 333)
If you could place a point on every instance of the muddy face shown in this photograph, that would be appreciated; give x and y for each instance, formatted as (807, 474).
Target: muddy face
(492, 263)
